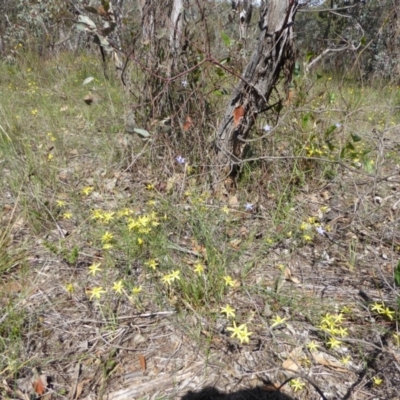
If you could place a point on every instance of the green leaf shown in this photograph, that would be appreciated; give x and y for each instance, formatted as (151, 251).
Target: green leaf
(296, 72)
(355, 138)
(363, 41)
(397, 275)
(225, 60)
(220, 72)
(309, 56)
(304, 120)
(83, 19)
(142, 132)
(319, 76)
(105, 4)
(226, 39)
(331, 147)
(369, 166)
(349, 146)
(93, 10)
(329, 130)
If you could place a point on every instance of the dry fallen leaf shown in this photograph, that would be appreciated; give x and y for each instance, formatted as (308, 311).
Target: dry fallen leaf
(102, 11)
(233, 201)
(289, 277)
(142, 362)
(38, 386)
(235, 243)
(238, 114)
(328, 361)
(290, 365)
(294, 360)
(188, 123)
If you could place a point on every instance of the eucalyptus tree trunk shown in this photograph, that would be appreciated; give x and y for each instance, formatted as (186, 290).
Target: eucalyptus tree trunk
(273, 56)
(394, 40)
(162, 23)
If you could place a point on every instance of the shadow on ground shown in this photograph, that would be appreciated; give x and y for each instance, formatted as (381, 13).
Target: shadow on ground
(259, 393)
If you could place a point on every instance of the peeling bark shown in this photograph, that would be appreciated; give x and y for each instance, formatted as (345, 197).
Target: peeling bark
(274, 55)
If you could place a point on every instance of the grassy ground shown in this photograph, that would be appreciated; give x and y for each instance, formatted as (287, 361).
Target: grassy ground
(123, 275)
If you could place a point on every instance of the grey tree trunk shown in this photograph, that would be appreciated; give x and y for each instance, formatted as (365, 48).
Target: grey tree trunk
(274, 55)
(176, 26)
(394, 40)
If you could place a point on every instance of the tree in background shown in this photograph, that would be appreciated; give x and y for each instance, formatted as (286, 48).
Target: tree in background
(273, 57)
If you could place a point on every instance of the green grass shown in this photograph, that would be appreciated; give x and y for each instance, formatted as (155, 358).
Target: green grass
(159, 239)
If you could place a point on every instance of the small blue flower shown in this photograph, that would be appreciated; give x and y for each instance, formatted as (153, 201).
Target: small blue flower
(249, 206)
(338, 124)
(267, 128)
(320, 230)
(180, 160)
(185, 83)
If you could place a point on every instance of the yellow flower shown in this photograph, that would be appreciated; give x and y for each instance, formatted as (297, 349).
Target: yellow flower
(107, 246)
(389, 313)
(136, 290)
(124, 212)
(345, 360)
(67, 215)
(244, 335)
(140, 241)
(153, 264)
(150, 186)
(70, 288)
(50, 156)
(97, 214)
(199, 268)
(97, 292)
(297, 384)
(87, 190)
(118, 286)
(108, 216)
(34, 112)
(175, 275)
(304, 226)
(229, 281)
(225, 210)
(169, 278)
(240, 332)
(378, 307)
(339, 318)
(345, 310)
(307, 238)
(94, 268)
(228, 310)
(342, 332)
(312, 346)
(332, 343)
(61, 203)
(377, 381)
(107, 237)
(328, 320)
(277, 321)
(397, 339)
